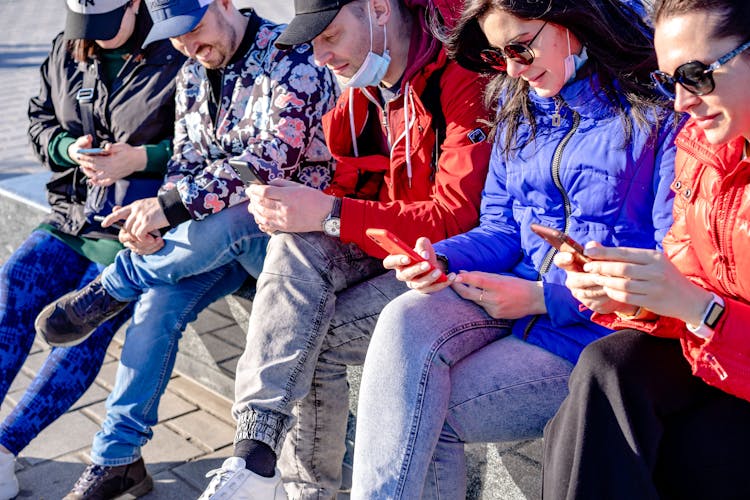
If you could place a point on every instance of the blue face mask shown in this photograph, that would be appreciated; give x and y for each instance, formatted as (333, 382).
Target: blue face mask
(374, 67)
(574, 62)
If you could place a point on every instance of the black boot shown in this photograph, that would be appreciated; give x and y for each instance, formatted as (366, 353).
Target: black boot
(99, 482)
(73, 317)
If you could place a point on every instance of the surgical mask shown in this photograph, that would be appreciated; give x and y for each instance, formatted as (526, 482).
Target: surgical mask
(374, 67)
(574, 62)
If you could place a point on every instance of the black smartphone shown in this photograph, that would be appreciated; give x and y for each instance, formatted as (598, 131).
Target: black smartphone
(562, 242)
(92, 151)
(100, 219)
(246, 172)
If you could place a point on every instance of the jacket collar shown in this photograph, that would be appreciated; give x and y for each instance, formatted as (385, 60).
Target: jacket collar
(725, 157)
(583, 95)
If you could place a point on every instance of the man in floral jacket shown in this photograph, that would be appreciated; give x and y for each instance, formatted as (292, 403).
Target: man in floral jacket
(238, 97)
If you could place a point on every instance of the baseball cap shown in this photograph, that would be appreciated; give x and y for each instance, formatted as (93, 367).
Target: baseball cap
(173, 18)
(94, 19)
(311, 17)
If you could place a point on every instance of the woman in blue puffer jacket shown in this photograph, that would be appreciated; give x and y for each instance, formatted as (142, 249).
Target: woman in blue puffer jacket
(582, 145)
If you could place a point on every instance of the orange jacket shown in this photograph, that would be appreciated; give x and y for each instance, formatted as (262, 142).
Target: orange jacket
(441, 197)
(709, 242)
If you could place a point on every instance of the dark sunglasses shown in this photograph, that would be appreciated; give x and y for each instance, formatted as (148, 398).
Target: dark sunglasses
(695, 77)
(497, 59)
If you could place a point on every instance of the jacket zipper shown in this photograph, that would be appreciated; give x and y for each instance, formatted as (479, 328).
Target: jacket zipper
(555, 171)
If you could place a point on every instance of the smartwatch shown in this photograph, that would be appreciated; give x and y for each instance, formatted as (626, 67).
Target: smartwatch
(332, 223)
(711, 316)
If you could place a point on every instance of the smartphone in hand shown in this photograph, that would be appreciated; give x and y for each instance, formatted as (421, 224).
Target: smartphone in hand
(100, 219)
(563, 243)
(246, 172)
(396, 246)
(92, 151)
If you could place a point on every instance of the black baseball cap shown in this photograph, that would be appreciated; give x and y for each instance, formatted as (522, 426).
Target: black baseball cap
(311, 17)
(173, 18)
(94, 19)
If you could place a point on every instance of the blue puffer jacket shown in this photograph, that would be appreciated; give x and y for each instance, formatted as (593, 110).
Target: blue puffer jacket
(577, 177)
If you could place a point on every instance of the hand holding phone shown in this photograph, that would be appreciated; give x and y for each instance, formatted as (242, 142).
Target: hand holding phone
(396, 246)
(563, 243)
(100, 219)
(246, 172)
(92, 151)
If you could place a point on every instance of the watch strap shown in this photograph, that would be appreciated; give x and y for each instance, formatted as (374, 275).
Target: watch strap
(335, 209)
(711, 317)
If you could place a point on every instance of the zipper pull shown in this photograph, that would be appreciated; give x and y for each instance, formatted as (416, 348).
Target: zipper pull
(715, 365)
(556, 118)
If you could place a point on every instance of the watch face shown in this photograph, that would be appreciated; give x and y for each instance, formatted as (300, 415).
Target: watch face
(332, 226)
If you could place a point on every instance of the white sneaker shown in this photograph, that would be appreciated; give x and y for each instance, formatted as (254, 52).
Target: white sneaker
(233, 481)
(8, 481)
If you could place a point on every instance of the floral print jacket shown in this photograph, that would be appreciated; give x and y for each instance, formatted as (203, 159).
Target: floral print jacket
(269, 114)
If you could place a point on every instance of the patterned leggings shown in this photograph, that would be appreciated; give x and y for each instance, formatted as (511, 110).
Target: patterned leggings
(40, 271)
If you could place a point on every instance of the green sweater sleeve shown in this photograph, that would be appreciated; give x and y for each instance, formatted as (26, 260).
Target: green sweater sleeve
(157, 156)
(58, 150)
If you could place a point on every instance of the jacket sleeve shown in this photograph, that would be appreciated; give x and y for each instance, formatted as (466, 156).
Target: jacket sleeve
(563, 308)
(453, 207)
(43, 123)
(290, 125)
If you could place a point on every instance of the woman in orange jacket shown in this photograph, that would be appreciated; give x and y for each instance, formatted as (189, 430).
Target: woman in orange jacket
(640, 421)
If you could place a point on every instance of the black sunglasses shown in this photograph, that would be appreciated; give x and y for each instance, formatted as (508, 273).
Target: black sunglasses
(695, 77)
(497, 59)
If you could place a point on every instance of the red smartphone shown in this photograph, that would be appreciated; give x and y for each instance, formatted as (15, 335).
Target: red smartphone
(396, 246)
(562, 242)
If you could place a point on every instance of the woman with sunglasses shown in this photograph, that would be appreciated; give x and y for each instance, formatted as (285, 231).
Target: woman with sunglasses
(661, 409)
(584, 145)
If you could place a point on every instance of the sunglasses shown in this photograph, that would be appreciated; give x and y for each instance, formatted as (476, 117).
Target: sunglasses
(497, 59)
(694, 76)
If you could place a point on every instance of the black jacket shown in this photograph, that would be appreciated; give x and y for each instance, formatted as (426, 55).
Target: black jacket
(137, 109)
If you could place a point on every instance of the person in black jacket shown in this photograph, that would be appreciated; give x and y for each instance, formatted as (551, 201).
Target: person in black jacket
(132, 114)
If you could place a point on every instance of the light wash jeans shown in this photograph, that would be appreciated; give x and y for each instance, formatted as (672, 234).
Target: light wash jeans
(192, 248)
(296, 315)
(201, 262)
(439, 373)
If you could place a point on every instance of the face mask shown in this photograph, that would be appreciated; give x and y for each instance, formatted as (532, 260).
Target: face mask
(574, 62)
(374, 67)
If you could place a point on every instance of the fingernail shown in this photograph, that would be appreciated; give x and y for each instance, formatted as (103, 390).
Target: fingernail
(425, 254)
(404, 260)
(435, 273)
(424, 266)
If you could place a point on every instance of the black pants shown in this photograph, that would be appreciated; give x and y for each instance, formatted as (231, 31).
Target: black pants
(638, 425)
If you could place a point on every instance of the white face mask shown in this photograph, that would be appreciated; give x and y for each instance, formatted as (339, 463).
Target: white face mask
(573, 62)
(375, 66)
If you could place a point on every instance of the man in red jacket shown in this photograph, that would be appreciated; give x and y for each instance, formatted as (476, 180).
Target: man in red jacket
(411, 158)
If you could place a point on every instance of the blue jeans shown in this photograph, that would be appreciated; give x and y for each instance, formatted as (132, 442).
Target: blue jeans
(439, 373)
(201, 262)
(41, 270)
(293, 311)
(192, 248)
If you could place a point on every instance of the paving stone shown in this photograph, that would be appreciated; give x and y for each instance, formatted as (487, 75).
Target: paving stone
(50, 480)
(210, 321)
(69, 433)
(218, 348)
(204, 429)
(94, 394)
(168, 449)
(172, 405)
(95, 412)
(20, 383)
(533, 450)
(211, 402)
(194, 472)
(106, 376)
(168, 486)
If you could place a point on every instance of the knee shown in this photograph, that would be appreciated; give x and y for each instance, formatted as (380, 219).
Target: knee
(617, 358)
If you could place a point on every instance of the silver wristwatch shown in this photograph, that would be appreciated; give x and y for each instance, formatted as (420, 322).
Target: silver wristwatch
(332, 223)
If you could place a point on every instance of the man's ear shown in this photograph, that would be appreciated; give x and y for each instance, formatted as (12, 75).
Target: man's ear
(381, 11)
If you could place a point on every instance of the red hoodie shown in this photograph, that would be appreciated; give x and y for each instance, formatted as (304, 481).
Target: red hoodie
(414, 195)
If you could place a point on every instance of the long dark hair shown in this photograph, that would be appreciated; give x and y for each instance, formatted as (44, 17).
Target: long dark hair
(84, 50)
(620, 49)
(733, 15)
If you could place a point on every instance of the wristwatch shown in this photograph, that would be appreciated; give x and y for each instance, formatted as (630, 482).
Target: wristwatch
(332, 223)
(711, 316)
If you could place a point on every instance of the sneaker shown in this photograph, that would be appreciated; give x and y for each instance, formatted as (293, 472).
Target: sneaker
(73, 317)
(99, 482)
(8, 481)
(234, 481)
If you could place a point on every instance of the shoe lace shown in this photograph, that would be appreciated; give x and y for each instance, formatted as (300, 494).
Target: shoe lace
(89, 299)
(91, 476)
(220, 476)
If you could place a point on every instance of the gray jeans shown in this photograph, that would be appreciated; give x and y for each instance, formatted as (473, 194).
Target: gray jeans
(316, 305)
